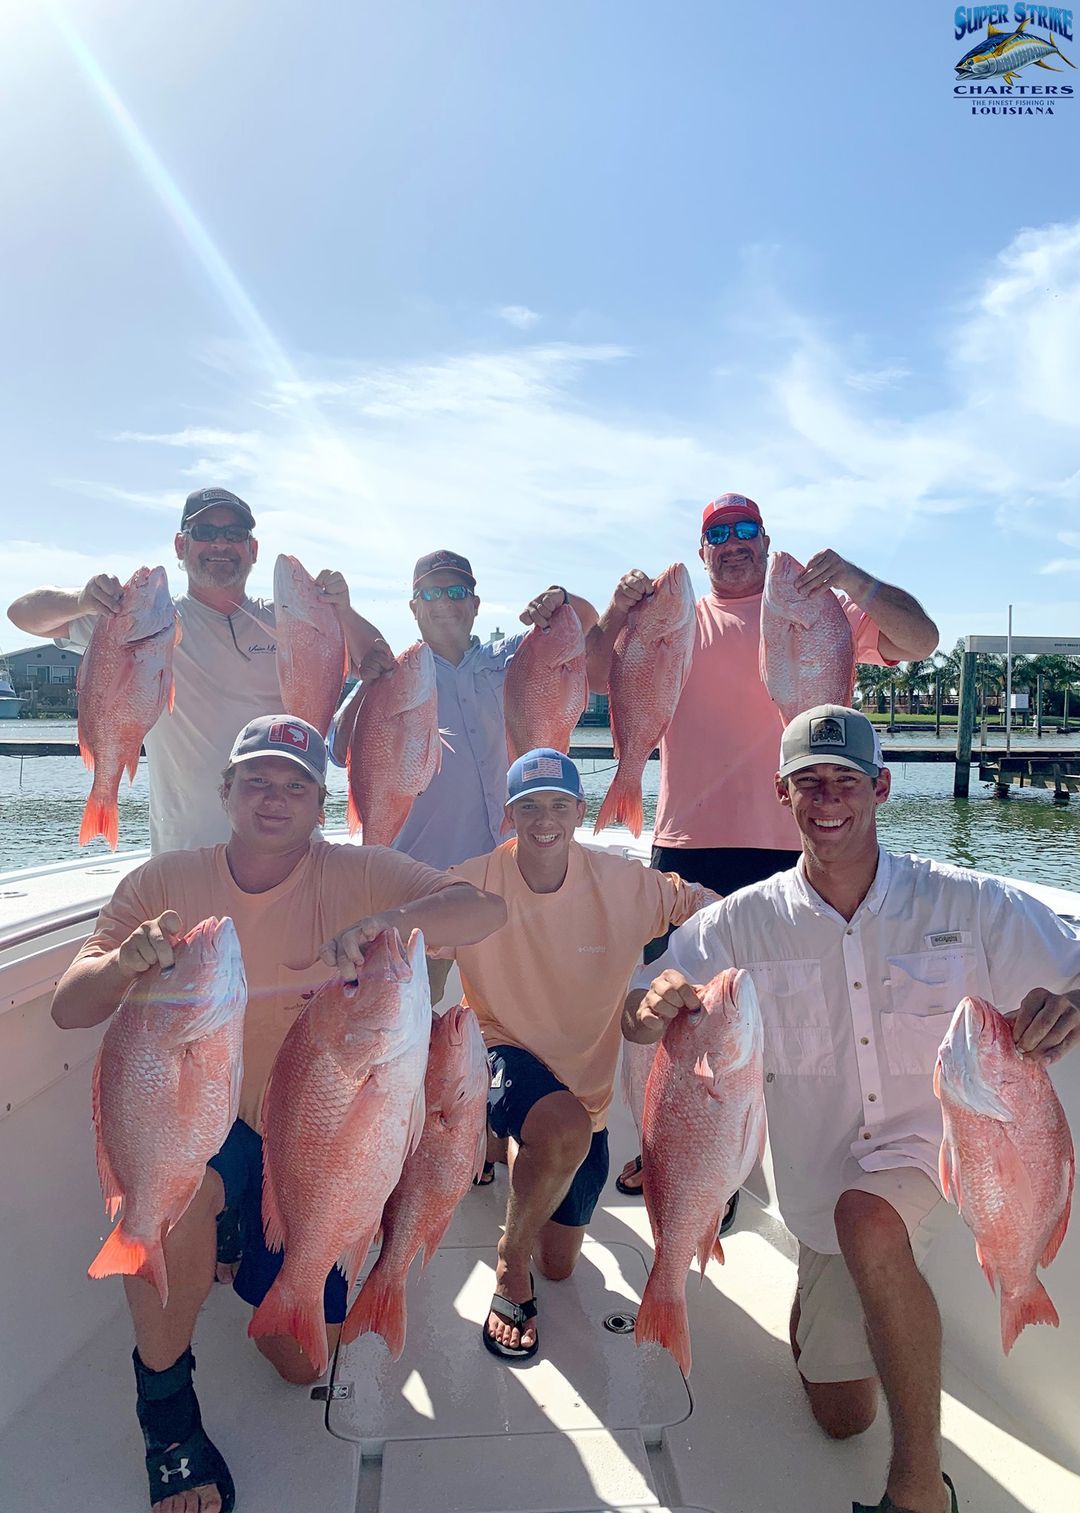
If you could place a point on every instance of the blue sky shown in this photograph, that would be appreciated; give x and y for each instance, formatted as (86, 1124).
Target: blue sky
(535, 281)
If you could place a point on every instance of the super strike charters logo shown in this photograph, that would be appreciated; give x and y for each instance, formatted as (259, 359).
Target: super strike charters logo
(989, 73)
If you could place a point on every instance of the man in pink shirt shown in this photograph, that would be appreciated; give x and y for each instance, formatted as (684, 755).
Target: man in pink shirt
(717, 819)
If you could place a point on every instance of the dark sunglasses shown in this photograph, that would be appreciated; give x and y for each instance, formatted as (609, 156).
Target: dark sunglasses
(456, 592)
(744, 530)
(204, 531)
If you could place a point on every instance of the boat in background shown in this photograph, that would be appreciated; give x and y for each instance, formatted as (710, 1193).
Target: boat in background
(594, 1423)
(10, 702)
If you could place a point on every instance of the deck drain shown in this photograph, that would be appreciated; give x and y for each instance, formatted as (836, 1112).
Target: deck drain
(620, 1323)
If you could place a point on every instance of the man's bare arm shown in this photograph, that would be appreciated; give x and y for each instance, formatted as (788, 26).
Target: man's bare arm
(906, 631)
(456, 916)
(50, 611)
(92, 987)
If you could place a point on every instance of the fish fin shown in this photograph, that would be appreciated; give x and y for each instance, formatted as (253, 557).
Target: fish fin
(987, 1270)
(622, 805)
(100, 817)
(709, 1247)
(417, 1120)
(947, 1173)
(1039, 63)
(665, 1320)
(351, 1260)
(1053, 1245)
(753, 1139)
(273, 1223)
(703, 1070)
(352, 815)
(111, 1190)
(379, 1308)
(1018, 1310)
(993, 31)
(215, 1016)
(284, 1311)
(122, 1256)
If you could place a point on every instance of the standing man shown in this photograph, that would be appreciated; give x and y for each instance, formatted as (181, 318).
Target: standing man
(717, 820)
(225, 664)
(303, 910)
(461, 813)
(859, 958)
(548, 990)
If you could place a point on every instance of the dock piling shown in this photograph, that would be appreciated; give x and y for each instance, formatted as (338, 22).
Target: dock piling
(964, 727)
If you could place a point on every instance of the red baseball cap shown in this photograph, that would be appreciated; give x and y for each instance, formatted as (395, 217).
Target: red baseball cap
(729, 507)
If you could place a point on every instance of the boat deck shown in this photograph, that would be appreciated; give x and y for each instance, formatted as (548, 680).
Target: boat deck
(593, 1423)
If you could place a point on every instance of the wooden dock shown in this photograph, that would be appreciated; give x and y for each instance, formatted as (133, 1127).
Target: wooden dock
(1056, 770)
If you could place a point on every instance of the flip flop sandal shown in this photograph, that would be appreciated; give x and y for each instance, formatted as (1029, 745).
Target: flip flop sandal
(621, 1186)
(729, 1214)
(486, 1177)
(194, 1461)
(886, 1505)
(517, 1315)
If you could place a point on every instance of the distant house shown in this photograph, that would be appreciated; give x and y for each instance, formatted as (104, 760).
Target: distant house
(44, 678)
(37, 666)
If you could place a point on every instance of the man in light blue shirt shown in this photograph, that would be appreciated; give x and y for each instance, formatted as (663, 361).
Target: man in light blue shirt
(461, 814)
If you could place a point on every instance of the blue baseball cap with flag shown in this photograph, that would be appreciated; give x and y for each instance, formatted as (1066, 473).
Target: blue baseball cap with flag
(544, 770)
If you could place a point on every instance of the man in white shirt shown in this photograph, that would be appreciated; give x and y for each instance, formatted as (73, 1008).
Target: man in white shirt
(859, 958)
(224, 666)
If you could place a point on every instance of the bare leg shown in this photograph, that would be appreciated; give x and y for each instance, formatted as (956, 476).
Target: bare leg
(903, 1329)
(842, 1409)
(555, 1140)
(289, 1361)
(558, 1247)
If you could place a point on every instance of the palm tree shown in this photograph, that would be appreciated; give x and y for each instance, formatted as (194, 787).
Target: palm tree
(872, 683)
(914, 678)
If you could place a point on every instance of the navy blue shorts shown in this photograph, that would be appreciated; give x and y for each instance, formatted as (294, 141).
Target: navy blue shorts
(239, 1164)
(518, 1080)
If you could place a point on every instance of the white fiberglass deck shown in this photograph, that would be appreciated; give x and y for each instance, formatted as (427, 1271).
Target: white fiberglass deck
(593, 1423)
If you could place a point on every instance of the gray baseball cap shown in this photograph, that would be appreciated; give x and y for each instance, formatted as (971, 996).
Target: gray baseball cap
(830, 733)
(284, 736)
(207, 499)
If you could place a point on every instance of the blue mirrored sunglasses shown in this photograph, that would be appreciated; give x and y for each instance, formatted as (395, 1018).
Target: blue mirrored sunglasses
(744, 530)
(456, 591)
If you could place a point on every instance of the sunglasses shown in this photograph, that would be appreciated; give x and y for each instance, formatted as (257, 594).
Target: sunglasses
(204, 531)
(456, 592)
(743, 530)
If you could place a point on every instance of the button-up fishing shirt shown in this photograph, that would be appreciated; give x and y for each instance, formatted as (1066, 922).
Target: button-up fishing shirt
(854, 1010)
(460, 814)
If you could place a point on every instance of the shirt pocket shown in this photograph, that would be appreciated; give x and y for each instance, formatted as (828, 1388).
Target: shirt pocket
(798, 1036)
(924, 989)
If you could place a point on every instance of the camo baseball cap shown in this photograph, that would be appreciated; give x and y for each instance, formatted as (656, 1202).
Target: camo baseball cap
(284, 736)
(830, 733)
(207, 499)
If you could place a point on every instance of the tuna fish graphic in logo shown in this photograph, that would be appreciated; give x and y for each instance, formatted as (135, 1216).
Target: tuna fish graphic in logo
(1004, 54)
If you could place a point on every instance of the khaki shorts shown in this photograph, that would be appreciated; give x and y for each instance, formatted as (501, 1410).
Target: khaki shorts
(831, 1335)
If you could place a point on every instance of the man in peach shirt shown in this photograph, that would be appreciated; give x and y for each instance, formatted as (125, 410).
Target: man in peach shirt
(548, 990)
(717, 820)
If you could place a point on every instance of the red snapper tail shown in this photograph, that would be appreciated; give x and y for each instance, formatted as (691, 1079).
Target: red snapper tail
(121, 1255)
(100, 817)
(664, 1319)
(622, 806)
(1019, 1309)
(286, 1311)
(379, 1309)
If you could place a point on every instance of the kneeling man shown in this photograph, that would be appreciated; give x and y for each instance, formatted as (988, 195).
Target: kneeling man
(548, 990)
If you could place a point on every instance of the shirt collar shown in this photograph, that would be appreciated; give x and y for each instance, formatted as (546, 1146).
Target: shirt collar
(873, 901)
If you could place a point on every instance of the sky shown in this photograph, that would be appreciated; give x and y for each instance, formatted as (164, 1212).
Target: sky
(535, 282)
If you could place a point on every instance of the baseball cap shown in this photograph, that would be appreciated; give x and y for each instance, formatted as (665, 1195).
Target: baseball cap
(830, 733)
(282, 735)
(442, 561)
(544, 770)
(729, 507)
(206, 499)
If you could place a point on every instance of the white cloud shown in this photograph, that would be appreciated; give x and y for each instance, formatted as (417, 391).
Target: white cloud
(1062, 565)
(523, 458)
(518, 315)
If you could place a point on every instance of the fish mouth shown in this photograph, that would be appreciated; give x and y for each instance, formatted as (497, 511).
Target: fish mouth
(456, 1024)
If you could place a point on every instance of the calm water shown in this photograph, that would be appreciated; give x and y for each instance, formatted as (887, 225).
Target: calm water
(41, 802)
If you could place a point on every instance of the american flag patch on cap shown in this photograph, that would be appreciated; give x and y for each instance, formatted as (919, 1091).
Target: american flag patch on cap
(541, 767)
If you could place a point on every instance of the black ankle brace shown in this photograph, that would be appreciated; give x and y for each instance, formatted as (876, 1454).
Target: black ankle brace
(166, 1404)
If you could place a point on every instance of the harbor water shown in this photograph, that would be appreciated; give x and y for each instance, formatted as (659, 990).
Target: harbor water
(41, 803)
